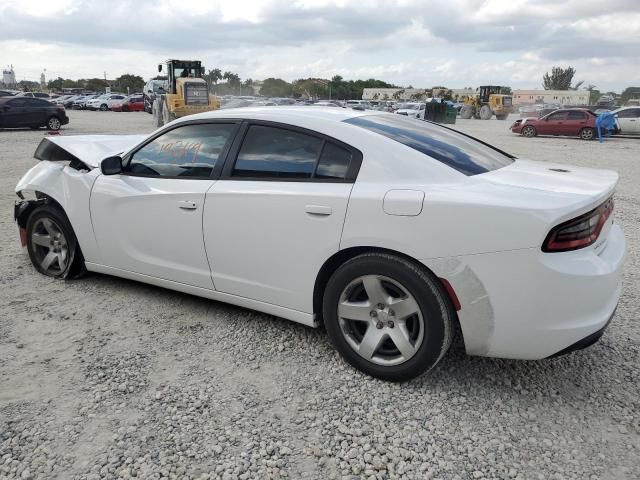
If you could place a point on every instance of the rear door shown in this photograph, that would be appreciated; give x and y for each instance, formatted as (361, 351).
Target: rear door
(576, 121)
(277, 212)
(16, 113)
(629, 120)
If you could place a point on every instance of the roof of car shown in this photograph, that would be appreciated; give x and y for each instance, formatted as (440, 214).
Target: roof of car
(285, 114)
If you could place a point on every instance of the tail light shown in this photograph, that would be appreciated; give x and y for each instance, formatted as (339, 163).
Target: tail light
(579, 232)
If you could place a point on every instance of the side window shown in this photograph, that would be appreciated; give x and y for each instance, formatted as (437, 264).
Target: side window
(558, 116)
(574, 115)
(334, 162)
(271, 152)
(189, 151)
(626, 113)
(18, 102)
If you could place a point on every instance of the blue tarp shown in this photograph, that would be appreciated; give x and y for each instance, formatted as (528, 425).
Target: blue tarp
(605, 121)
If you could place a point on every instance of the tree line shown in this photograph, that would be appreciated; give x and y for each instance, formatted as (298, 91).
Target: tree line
(124, 83)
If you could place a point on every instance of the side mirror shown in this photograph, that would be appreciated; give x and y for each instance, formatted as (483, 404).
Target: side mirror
(159, 68)
(111, 165)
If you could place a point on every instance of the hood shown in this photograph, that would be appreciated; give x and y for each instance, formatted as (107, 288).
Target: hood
(89, 149)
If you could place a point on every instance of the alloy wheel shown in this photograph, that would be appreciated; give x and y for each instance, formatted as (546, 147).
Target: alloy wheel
(586, 134)
(50, 246)
(380, 320)
(53, 123)
(528, 131)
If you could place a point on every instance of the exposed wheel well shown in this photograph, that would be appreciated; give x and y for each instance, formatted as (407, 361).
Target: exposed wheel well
(332, 264)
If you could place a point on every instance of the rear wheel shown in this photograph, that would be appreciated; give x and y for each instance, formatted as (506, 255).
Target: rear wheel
(529, 131)
(387, 317)
(52, 245)
(53, 123)
(587, 134)
(485, 112)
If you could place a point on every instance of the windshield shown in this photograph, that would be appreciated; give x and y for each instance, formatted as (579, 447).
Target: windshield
(460, 152)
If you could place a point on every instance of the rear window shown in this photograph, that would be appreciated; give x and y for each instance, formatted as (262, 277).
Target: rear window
(460, 152)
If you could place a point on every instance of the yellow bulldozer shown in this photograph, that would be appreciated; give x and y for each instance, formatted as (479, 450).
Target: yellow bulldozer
(186, 92)
(488, 102)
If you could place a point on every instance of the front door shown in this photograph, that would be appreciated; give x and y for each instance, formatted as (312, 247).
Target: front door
(148, 220)
(277, 214)
(553, 124)
(15, 113)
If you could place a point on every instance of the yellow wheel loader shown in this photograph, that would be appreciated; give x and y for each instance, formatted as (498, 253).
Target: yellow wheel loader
(187, 92)
(488, 102)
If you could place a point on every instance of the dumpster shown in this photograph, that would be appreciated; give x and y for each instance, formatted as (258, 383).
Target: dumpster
(450, 115)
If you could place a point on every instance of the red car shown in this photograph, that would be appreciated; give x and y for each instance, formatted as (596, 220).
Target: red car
(129, 104)
(572, 122)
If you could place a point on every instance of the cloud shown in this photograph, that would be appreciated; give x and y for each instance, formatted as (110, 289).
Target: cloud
(456, 42)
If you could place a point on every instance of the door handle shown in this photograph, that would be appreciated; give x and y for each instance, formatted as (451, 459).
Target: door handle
(187, 205)
(318, 210)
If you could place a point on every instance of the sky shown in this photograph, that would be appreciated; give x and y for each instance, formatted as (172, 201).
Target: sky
(455, 43)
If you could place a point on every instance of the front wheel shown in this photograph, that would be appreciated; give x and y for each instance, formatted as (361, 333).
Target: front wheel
(529, 131)
(587, 134)
(52, 245)
(387, 317)
(104, 107)
(54, 123)
(485, 112)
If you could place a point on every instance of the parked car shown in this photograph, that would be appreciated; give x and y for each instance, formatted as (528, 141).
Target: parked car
(7, 93)
(572, 122)
(132, 103)
(68, 102)
(392, 214)
(151, 90)
(412, 109)
(628, 119)
(102, 102)
(31, 112)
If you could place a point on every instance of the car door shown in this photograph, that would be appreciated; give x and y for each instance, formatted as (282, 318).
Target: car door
(575, 121)
(277, 212)
(629, 120)
(553, 124)
(15, 113)
(148, 220)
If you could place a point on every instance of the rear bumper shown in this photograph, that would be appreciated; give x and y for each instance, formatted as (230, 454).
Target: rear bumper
(585, 342)
(529, 305)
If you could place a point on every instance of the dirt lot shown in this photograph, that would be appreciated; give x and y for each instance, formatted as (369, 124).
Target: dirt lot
(107, 378)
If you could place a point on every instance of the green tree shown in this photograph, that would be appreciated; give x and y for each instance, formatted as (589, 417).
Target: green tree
(560, 79)
(214, 76)
(128, 83)
(276, 87)
(594, 94)
(95, 84)
(629, 93)
(506, 91)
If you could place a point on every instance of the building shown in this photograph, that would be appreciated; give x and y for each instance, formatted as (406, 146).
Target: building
(461, 94)
(559, 97)
(395, 94)
(9, 77)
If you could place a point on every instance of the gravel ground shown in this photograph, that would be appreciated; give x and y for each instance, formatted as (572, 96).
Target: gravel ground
(108, 378)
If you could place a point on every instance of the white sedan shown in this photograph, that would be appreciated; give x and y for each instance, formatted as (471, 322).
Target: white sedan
(391, 232)
(628, 119)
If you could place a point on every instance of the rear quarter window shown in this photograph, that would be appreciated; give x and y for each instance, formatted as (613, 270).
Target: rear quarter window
(456, 150)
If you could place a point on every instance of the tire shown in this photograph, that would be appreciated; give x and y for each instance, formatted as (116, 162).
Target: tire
(104, 107)
(466, 112)
(528, 131)
(167, 116)
(52, 245)
(588, 134)
(399, 348)
(157, 113)
(125, 109)
(53, 123)
(485, 112)
(502, 117)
